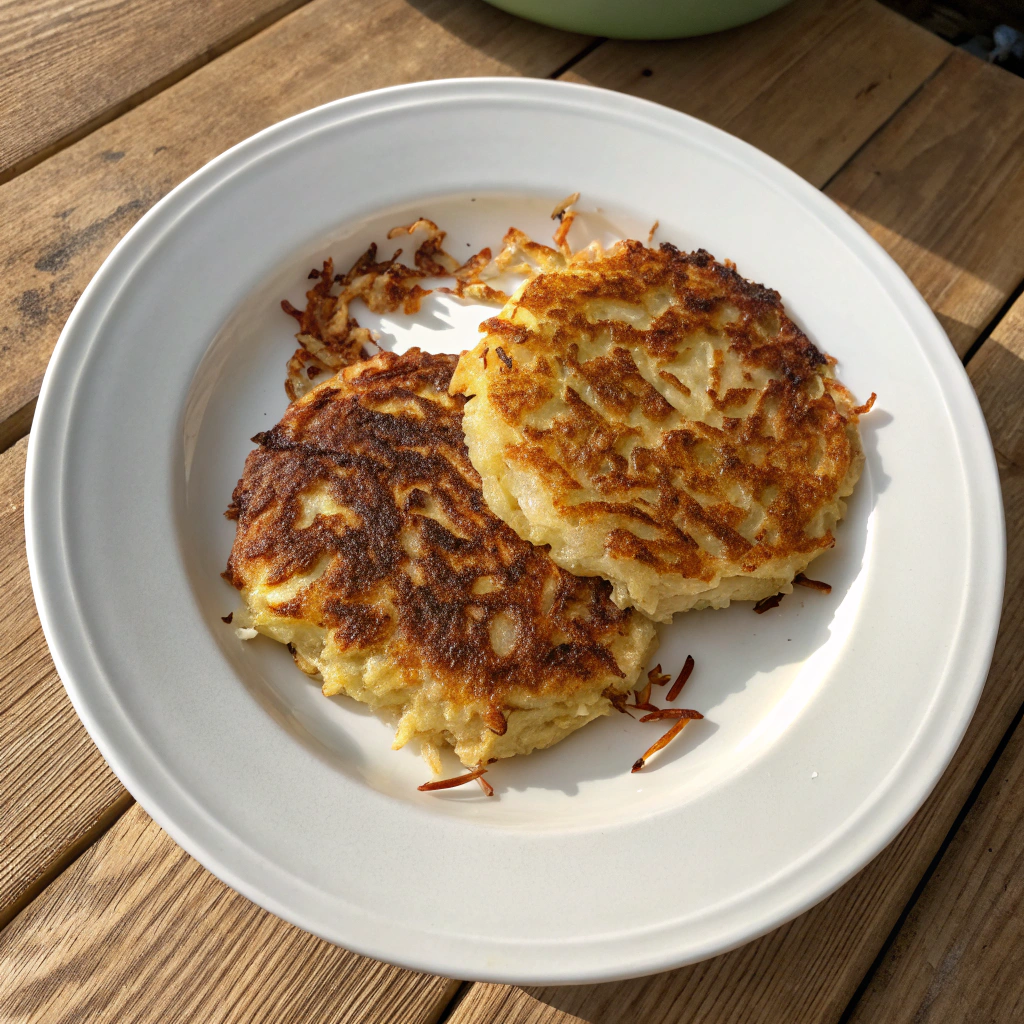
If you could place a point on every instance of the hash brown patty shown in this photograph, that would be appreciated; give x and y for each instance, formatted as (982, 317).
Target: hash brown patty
(661, 422)
(364, 542)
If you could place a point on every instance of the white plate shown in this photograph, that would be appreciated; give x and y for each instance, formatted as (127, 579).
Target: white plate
(828, 720)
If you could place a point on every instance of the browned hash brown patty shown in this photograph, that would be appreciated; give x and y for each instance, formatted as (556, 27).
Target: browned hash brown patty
(660, 421)
(364, 542)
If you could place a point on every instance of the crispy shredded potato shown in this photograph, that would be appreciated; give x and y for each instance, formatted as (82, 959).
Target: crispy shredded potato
(658, 421)
(330, 337)
(363, 542)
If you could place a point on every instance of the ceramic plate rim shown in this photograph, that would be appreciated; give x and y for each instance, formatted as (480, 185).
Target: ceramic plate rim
(43, 526)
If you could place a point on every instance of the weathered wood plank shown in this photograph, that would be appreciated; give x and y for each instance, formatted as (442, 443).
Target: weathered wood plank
(942, 188)
(68, 64)
(997, 373)
(59, 219)
(136, 930)
(809, 84)
(960, 952)
(56, 792)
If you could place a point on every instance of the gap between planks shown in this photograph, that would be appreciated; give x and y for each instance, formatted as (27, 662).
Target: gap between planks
(1002, 315)
(869, 978)
(66, 857)
(138, 931)
(56, 794)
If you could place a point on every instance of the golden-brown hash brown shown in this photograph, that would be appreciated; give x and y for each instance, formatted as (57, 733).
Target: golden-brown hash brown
(661, 422)
(363, 541)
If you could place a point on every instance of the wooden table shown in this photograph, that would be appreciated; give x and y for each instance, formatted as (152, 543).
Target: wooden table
(107, 104)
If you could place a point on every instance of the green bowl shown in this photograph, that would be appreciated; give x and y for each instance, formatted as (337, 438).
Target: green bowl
(640, 19)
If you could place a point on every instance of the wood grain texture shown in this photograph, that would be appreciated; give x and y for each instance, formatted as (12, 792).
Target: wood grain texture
(809, 84)
(15, 427)
(56, 792)
(942, 188)
(137, 931)
(997, 372)
(68, 63)
(808, 970)
(61, 218)
(960, 954)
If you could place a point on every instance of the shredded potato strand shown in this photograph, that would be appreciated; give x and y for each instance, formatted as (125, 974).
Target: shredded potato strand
(458, 780)
(684, 674)
(662, 743)
(330, 338)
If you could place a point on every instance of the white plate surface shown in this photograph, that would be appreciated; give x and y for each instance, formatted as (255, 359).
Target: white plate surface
(828, 719)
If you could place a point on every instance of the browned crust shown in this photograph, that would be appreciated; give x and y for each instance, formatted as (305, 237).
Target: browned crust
(789, 423)
(385, 439)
